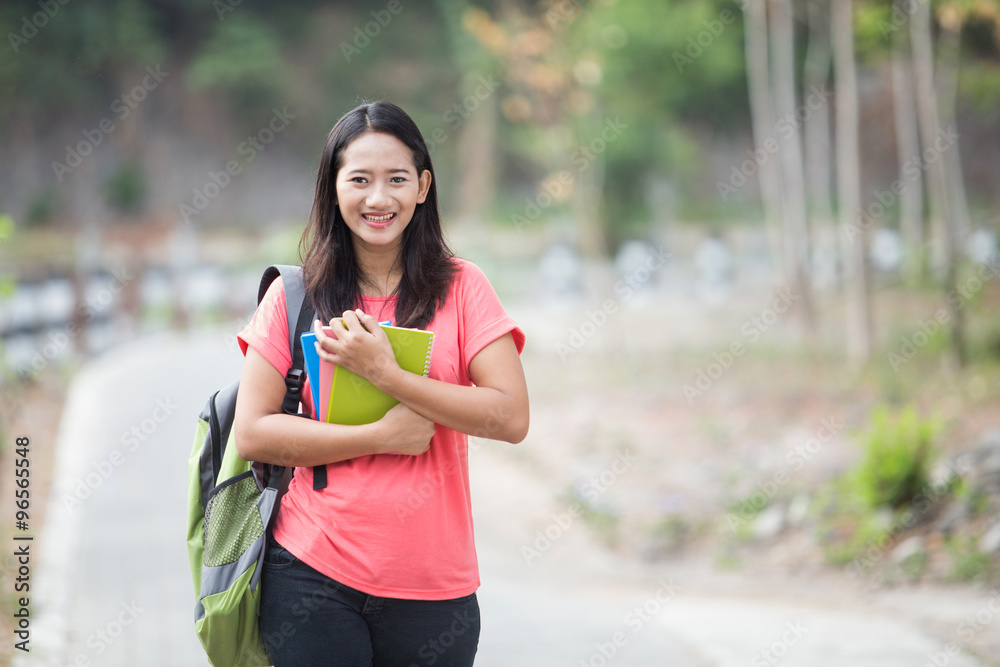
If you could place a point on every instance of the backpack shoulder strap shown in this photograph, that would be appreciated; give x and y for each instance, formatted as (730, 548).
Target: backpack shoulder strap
(298, 311)
(295, 297)
(296, 305)
(299, 316)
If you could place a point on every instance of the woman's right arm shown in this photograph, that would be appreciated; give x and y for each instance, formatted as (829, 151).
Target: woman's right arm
(265, 433)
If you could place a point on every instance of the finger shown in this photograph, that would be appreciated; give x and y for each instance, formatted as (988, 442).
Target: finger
(368, 321)
(321, 335)
(327, 330)
(351, 320)
(318, 330)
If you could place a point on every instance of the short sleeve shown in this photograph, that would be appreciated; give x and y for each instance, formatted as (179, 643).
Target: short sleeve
(267, 331)
(484, 316)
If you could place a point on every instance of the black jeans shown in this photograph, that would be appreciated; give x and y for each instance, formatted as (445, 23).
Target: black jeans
(310, 620)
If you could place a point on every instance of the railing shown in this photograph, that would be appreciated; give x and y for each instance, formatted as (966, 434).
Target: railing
(47, 323)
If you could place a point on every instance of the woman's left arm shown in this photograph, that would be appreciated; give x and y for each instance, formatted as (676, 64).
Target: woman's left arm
(496, 407)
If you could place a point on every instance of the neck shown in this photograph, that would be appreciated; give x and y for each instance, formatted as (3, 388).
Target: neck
(380, 267)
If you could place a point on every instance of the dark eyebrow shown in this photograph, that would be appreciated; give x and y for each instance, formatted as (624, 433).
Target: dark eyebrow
(368, 171)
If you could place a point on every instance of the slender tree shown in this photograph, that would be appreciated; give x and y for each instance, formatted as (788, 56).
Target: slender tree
(858, 297)
(793, 191)
(816, 131)
(943, 216)
(477, 136)
(949, 55)
(911, 214)
(762, 118)
(477, 158)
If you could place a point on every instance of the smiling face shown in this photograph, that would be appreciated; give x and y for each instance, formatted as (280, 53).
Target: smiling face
(378, 189)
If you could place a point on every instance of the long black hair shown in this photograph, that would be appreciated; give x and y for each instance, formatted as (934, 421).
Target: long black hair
(330, 269)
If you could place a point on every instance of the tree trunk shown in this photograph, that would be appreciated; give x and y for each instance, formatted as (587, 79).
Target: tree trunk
(928, 124)
(762, 120)
(943, 215)
(911, 198)
(477, 165)
(816, 78)
(588, 198)
(796, 227)
(949, 54)
(858, 297)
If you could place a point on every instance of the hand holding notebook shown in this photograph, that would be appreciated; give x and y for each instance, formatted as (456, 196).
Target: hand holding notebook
(343, 397)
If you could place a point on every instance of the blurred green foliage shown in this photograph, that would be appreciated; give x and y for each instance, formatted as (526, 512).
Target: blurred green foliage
(7, 227)
(896, 459)
(125, 188)
(968, 563)
(671, 71)
(76, 60)
(243, 60)
(42, 208)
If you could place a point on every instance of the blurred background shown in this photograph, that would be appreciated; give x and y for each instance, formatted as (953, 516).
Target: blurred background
(752, 242)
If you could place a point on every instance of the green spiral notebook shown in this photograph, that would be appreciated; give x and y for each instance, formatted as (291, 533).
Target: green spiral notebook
(351, 399)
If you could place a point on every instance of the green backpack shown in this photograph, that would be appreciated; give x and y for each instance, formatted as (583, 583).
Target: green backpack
(231, 505)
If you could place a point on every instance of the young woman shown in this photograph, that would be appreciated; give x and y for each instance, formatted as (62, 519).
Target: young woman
(379, 567)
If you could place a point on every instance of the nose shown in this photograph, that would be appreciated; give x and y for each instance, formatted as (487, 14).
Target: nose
(378, 196)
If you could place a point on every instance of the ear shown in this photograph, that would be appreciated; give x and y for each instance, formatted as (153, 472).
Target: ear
(425, 185)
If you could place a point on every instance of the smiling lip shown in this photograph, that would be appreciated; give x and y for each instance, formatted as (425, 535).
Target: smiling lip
(378, 220)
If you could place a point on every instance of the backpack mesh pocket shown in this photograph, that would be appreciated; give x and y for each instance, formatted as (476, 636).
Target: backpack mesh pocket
(232, 520)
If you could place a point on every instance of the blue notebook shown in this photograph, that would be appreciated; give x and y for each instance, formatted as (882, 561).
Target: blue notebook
(312, 363)
(308, 340)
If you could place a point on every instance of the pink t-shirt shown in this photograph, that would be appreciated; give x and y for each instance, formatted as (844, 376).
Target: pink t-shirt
(393, 525)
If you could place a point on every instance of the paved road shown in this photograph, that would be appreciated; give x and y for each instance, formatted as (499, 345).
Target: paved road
(114, 587)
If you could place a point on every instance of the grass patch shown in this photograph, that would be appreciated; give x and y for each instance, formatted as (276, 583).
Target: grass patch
(898, 453)
(968, 563)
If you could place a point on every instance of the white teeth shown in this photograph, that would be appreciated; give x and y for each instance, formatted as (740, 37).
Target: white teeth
(380, 218)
